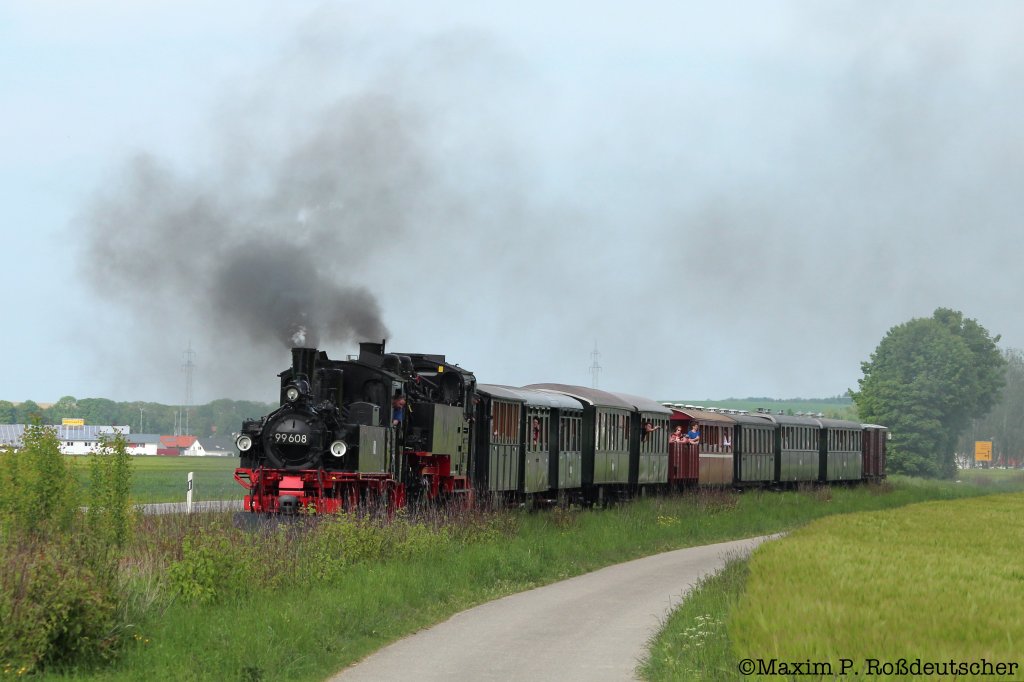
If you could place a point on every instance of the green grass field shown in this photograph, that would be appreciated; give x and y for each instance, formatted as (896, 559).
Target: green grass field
(281, 609)
(936, 581)
(165, 479)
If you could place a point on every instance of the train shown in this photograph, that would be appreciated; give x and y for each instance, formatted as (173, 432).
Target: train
(395, 428)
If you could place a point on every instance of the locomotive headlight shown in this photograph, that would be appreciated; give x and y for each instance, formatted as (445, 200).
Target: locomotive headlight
(243, 443)
(292, 394)
(338, 448)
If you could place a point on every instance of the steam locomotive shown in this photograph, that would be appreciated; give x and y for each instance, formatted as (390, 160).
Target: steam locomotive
(389, 427)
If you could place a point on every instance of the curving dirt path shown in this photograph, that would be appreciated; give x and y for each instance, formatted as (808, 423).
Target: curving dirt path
(589, 628)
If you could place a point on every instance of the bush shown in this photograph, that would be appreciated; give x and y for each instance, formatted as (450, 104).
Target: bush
(59, 601)
(110, 513)
(38, 492)
(57, 607)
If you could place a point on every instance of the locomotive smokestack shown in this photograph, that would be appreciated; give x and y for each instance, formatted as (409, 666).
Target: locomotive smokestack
(303, 362)
(371, 352)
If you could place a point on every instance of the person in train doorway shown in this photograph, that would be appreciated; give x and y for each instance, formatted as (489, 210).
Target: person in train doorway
(693, 435)
(677, 435)
(649, 428)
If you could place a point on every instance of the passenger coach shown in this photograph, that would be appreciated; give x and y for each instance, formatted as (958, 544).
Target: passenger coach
(710, 461)
(529, 443)
(607, 420)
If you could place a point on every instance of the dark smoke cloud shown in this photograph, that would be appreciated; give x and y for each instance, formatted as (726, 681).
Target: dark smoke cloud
(270, 247)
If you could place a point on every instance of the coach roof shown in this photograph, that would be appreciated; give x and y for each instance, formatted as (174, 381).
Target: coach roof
(531, 397)
(591, 396)
(644, 404)
(702, 415)
(752, 419)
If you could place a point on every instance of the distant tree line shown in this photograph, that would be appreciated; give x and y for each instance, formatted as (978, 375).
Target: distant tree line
(217, 417)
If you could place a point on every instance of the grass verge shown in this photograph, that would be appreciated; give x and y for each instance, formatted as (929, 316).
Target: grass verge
(206, 601)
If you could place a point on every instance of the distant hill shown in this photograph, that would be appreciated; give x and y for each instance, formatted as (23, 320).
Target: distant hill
(838, 407)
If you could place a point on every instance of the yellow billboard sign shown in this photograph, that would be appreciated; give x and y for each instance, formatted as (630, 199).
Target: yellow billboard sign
(982, 451)
(67, 421)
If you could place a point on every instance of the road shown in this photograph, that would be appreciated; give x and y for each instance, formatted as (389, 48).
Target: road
(590, 628)
(179, 507)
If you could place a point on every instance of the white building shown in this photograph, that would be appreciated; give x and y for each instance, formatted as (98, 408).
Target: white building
(212, 447)
(84, 440)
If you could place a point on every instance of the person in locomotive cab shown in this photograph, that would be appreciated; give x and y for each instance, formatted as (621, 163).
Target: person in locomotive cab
(398, 411)
(693, 435)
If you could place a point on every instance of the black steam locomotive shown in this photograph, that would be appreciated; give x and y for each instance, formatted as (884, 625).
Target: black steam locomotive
(378, 426)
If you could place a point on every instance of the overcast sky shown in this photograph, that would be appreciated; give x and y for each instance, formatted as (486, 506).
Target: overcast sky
(728, 199)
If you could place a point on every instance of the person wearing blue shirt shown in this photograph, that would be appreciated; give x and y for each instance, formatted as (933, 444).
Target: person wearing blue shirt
(693, 435)
(397, 411)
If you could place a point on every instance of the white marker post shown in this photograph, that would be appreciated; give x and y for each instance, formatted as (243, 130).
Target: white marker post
(188, 495)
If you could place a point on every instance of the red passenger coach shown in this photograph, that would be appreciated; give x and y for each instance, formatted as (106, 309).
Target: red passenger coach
(709, 462)
(874, 444)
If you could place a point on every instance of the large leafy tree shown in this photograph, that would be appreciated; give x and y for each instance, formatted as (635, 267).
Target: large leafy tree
(928, 378)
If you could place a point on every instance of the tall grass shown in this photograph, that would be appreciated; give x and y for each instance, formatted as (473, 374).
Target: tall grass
(935, 580)
(300, 601)
(59, 600)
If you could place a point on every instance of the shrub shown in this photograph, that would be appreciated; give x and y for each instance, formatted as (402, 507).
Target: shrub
(57, 606)
(38, 492)
(110, 513)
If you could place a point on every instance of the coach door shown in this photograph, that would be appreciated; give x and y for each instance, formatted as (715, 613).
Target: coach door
(569, 473)
(504, 449)
(538, 449)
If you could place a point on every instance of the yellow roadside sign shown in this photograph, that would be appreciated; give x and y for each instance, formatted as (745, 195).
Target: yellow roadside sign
(982, 451)
(66, 421)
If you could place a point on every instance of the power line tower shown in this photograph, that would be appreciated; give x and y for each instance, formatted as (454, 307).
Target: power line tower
(595, 367)
(187, 367)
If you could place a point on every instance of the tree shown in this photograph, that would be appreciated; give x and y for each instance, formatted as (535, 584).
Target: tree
(29, 411)
(926, 381)
(1003, 423)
